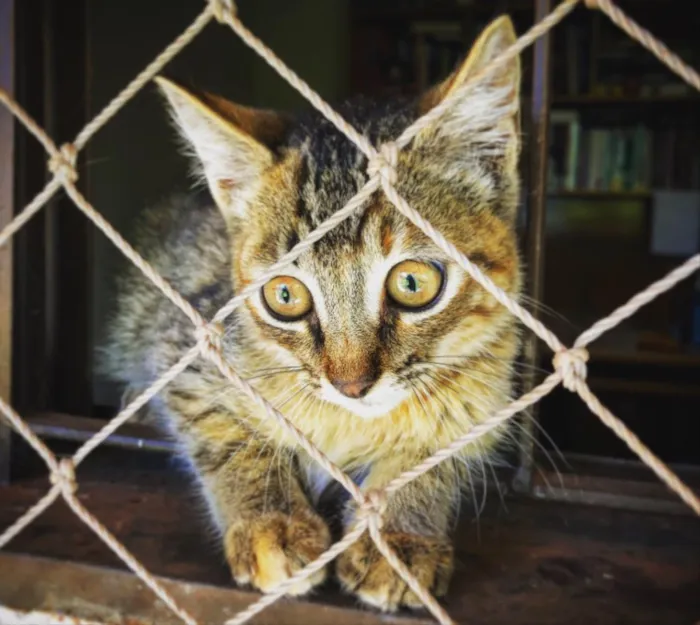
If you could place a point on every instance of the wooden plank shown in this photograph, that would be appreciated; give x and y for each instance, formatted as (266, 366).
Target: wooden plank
(7, 156)
(119, 598)
(524, 563)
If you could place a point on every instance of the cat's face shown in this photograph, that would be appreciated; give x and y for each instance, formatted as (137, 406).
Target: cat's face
(365, 308)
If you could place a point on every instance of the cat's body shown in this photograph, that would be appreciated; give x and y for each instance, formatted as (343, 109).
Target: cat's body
(376, 383)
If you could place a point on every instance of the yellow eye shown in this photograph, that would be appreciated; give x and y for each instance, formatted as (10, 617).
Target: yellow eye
(287, 298)
(412, 284)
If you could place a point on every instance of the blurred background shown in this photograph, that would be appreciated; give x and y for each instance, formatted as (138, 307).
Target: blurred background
(621, 204)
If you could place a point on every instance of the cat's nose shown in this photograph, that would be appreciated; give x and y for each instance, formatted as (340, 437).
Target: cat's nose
(354, 388)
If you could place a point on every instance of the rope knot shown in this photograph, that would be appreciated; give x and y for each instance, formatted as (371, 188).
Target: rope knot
(374, 506)
(62, 164)
(223, 9)
(64, 476)
(210, 337)
(384, 163)
(571, 366)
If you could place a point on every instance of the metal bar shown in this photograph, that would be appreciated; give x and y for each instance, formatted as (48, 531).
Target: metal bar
(68, 427)
(535, 231)
(7, 159)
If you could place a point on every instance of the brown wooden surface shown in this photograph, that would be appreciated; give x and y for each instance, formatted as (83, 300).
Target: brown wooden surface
(118, 598)
(532, 563)
(7, 145)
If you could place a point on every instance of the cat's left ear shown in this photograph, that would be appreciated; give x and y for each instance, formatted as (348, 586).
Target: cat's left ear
(233, 144)
(488, 113)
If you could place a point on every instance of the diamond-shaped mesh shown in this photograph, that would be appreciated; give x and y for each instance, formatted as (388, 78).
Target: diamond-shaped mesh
(569, 362)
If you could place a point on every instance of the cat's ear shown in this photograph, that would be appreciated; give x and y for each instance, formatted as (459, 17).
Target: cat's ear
(232, 144)
(487, 113)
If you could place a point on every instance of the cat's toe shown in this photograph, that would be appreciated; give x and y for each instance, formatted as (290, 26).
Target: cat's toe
(266, 550)
(364, 572)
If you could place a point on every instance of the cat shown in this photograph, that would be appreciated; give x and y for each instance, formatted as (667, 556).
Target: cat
(373, 343)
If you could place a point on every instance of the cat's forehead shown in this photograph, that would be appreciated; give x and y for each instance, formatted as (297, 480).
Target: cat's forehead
(331, 169)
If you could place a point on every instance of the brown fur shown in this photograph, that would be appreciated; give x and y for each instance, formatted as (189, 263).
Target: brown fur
(434, 374)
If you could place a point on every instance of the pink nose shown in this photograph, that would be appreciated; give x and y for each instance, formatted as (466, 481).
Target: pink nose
(354, 388)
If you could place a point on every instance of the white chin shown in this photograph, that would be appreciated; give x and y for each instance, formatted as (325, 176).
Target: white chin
(380, 401)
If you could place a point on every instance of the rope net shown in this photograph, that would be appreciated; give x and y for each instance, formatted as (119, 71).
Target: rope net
(569, 363)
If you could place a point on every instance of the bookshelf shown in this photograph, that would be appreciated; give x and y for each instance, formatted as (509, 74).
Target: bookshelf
(591, 194)
(597, 248)
(647, 357)
(564, 101)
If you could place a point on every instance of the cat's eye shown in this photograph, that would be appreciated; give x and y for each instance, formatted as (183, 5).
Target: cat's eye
(415, 285)
(287, 298)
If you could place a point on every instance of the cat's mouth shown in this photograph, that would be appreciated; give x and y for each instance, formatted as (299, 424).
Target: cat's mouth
(384, 397)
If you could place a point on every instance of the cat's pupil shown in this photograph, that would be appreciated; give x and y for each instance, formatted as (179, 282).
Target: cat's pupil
(410, 283)
(283, 295)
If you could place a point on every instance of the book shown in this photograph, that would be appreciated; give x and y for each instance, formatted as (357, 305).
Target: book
(615, 159)
(564, 147)
(641, 159)
(596, 157)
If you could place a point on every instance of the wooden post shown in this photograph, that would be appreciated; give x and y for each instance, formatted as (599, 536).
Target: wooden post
(535, 230)
(6, 213)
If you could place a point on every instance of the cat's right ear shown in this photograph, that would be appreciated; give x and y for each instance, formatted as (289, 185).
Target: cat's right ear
(232, 144)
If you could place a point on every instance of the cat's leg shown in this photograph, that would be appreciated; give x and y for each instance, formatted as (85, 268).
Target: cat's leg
(417, 523)
(269, 529)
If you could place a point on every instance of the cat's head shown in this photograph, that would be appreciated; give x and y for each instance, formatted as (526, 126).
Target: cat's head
(363, 307)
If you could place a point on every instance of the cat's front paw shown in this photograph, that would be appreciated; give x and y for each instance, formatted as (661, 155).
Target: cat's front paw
(363, 571)
(270, 548)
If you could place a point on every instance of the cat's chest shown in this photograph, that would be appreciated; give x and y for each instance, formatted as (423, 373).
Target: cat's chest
(352, 450)
(350, 441)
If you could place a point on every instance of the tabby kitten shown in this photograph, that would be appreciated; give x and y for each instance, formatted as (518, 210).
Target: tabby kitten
(373, 343)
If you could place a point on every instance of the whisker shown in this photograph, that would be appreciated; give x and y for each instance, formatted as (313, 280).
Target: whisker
(272, 374)
(550, 440)
(472, 491)
(268, 473)
(266, 369)
(485, 454)
(468, 373)
(435, 392)
(542, 307)
(542, 448)
(230, 389)
(478, 508)
(474, 398)
(482, 359)
(509, 434)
